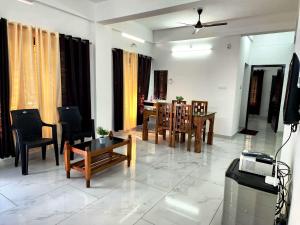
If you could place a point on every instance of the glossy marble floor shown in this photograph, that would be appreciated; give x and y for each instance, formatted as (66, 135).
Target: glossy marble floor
(163, 186)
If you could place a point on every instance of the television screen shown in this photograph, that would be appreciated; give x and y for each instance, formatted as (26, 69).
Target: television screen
(291, 113)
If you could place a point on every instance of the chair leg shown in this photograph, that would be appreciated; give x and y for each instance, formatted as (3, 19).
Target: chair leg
(24, 158)
(44, 148)
(204, 132)
(72, 153)
(62, 145)
(156, 137)
(56, 153)
(182, 137)
(189, 141)
(174, 136)
(17, 155)
(164, 135)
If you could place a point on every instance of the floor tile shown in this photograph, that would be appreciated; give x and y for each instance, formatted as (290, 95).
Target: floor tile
(125, 205)
(193, 201)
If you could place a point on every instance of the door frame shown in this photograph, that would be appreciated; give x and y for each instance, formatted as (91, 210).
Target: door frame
(282, 66)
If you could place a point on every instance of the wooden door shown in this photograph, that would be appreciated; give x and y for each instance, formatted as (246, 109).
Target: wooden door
(160, 84)
(255, 92)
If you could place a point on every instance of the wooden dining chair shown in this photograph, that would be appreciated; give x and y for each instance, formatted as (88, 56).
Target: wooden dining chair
(181, 119)
(182, 136)
(200, 107)
(163, 115)
(178, 102)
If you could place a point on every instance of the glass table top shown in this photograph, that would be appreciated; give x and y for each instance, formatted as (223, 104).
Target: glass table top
(96, 145)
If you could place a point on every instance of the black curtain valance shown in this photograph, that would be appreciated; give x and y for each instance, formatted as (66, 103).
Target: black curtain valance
(75, 73)
(6, 139)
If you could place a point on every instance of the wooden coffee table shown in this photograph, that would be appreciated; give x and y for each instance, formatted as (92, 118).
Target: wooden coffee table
(96, 156)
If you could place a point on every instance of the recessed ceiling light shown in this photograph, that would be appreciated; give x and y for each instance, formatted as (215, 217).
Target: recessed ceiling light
(28, 2)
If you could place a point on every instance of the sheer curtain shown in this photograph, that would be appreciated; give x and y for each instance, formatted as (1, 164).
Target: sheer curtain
(130, 64)
(34, 71)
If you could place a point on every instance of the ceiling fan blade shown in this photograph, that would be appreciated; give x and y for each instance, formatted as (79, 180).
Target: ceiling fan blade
(214, 24)
(196, 30)
(186, 24)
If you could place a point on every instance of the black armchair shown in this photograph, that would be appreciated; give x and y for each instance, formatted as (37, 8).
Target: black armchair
(28, 125)
(73, 126)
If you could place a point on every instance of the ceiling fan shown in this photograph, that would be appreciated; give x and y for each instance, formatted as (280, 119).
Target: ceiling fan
(200, 25)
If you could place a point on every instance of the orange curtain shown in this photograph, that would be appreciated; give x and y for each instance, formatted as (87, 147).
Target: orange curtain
(130, 64)
(34, 71)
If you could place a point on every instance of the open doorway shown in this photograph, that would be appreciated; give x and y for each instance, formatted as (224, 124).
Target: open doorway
(264, 98)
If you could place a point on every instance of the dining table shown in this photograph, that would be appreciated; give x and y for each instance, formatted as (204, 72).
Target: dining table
(199, 120)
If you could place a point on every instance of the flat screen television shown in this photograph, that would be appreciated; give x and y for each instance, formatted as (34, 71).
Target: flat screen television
(291, 114)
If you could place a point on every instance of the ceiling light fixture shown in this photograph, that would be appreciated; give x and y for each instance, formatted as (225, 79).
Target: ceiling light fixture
(28, 2)
(133, 37)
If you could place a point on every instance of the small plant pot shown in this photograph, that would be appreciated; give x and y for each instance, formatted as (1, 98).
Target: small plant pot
(102, 140)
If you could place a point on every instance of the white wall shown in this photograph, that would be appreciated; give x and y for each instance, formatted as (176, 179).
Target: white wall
(136, 29)
(268, 49)
(211, 77)
(245, 47)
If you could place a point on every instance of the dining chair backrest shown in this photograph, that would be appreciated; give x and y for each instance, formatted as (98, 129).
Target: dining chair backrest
(163, 115)
(28, 122)
(199, 106)
(71, 116)
(178, 102)
(182, 118)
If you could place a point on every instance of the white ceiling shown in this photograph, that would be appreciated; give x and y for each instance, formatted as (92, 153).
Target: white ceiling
(96, 1)
(218, 10)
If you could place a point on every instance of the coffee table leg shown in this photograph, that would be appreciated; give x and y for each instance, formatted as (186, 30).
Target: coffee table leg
(129, 149)
(67, 159)
(87, 168)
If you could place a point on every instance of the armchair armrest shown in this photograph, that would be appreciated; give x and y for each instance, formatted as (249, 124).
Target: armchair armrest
(54, 129)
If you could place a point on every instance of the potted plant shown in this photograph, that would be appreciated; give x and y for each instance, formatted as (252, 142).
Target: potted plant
(179, 98)
(103, 133)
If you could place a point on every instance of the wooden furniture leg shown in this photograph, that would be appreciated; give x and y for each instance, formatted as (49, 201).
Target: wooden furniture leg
(145, 127)
(211, 131)
(67, 159)
(87, 169)
(198, 136)
(156, 136)
(129, 150)
(182, 137)
(189, 141)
